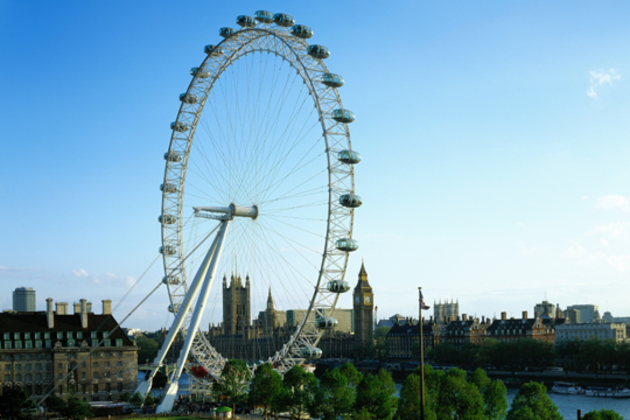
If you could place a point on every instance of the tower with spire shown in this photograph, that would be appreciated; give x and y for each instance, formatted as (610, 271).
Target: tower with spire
(363, 297)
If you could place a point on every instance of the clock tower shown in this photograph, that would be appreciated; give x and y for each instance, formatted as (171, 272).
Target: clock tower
(363, 310)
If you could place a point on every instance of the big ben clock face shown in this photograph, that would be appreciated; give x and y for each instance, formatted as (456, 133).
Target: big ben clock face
(367, 300)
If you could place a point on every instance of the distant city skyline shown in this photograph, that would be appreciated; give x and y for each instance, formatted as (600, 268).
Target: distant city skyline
(494, 140)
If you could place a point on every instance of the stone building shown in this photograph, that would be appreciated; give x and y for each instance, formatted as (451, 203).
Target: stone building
(445, 312)
(403, 339)
(465, 331)
(584, 331)
(588, 313)
(514, 329)
(39, 350)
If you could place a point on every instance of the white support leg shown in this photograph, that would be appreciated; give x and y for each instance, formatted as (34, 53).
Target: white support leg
(166, 405)
(145, 386)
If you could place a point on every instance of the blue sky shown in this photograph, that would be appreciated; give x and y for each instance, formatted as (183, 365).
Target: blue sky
(494, 138)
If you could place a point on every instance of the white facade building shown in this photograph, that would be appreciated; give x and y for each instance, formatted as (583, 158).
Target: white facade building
(584, 331)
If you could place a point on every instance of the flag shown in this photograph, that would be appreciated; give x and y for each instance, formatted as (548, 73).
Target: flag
(422, 304)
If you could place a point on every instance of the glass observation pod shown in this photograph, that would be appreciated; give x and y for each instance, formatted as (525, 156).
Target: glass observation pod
(245, 21)
(179, 126)
(213, 49)
(167, 219)
(338, 286)
(326, 323)
(200, 72)
(311, 353)
(349, 156)
(347, 244)
(168, 188)
(170, 280)
(301, 31)
(263, 16)
(168, 250)
(343, 115)
(283, 20)
(332, 80)
(170, 308)
(318, 51)
(226, 32)
(188, 98)
(172, 157)
(350, 200)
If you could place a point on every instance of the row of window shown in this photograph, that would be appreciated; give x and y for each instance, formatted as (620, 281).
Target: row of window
(60, 335)
(38, 356)
(47, 344)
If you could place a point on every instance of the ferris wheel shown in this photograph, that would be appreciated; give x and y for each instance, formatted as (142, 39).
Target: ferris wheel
(259, 180)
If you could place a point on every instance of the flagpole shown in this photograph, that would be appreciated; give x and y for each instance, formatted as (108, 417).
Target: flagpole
(420, 303)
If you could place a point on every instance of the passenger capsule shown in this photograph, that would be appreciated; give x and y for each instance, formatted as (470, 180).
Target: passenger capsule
(263, 16)
(245, 21)
(338, 286)
(310, 352)
(168, 188)
(301, 31)
(179, 126)
(175, 310)
(318, 51)
(168, 250)
(226, 32)
(167, 219)
(170, 280)
(343, 115)
(332, 80)
(349, 156)
(347, 244)
(200, 72)
(213, 49)
(172, 157)
(188, 98)
(283, 20)
(326, 322)
(350, 200)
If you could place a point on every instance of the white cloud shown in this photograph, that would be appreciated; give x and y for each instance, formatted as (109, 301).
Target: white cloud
(130, 281)
(585, 197)
(96, 281)
(599, 78)
(80, 273)
(604, 242)
(618, 230)
(112, 276)
(619, 262)
(613, 202)
(575, 252)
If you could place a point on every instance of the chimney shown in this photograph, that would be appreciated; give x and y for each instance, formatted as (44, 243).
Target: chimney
(503, 316)
(84, 317)
(107, 307)
(77, 308)
(452, 318)
(524, 314)
(559, 314)
(50, 315)
(62, 308)
(89, 308)
(464, 317)
(483, 319)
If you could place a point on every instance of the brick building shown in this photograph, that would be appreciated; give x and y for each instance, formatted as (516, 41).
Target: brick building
(39, 349)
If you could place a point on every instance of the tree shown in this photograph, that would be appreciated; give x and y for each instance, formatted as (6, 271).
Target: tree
(265, 386)
(495, 399)
(233, 382)
(602, 414)
(126, 396)
(148, 348)
(299, 389)
(375, 395)
(533, 403)
(136, 399)
(409, 402)
(77, 409)
(334, 398)
(12, 403)
(149, 400)
(351, 373)
(381, 348)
